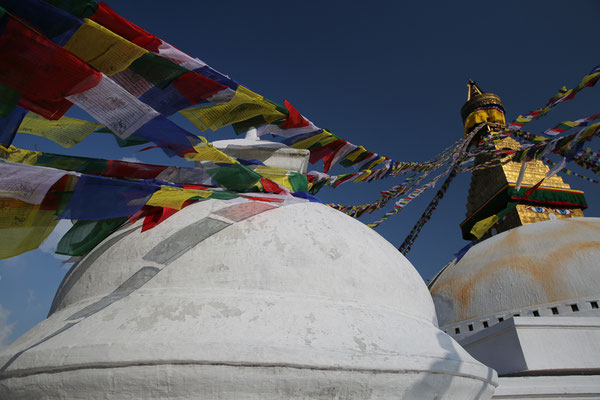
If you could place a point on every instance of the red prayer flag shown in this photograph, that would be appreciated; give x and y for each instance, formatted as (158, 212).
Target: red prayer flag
(196, 88)
(124, 169)
(329, 149)
(271, 186)
(43, 72)
(295, 119)
(109, 19)
(48, 109)
(156, 216)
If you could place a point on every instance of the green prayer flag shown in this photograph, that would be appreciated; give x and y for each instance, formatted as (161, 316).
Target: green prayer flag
(234, 177)
(78, 8)
(157, 70)
(8, 99)
(298, 182)
(85, 235)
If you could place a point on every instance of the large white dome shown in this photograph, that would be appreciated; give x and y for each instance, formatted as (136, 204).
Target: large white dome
(542, 269)
(237, 300)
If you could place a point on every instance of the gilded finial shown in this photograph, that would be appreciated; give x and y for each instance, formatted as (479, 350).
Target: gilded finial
(472, 89)
(477, 99)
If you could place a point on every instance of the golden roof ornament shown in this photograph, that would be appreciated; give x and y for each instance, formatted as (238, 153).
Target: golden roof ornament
(481, 107)
(476, 99)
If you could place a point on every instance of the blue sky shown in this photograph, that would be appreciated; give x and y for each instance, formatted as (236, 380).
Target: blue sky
(388, 75)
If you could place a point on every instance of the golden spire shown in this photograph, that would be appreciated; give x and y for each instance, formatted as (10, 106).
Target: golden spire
(473, 89)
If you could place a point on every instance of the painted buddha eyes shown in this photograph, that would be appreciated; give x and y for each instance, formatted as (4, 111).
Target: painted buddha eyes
(560, 211)
(563, 211)
(538, 209)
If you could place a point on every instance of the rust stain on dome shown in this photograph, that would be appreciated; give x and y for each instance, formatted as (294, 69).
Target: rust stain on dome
(546, 270)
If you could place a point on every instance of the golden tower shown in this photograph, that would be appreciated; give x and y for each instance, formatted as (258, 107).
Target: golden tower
(497, 189)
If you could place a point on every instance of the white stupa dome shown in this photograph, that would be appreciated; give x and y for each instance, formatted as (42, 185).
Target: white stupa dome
(245, 300)
(548, 268)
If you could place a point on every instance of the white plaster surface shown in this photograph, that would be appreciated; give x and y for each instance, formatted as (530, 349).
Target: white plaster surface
(574, 387)
(295, 302)
(538, 344)
(545, 262)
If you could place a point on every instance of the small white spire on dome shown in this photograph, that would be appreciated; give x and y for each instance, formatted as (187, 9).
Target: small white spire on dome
(252, 134)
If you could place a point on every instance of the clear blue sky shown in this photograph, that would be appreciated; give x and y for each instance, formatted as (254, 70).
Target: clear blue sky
(389, 75)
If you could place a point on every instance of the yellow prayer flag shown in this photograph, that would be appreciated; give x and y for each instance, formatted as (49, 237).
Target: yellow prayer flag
(14, 154)
(322, 138)
(65, 131)
(586, 79)
(205, 151)
(103, 49)
(276, 175)
(355, 153)
(245, 105)
(362, 175)
(174, 197)
(23, 226)
(589, 131)
(481, 227)
(376, 162)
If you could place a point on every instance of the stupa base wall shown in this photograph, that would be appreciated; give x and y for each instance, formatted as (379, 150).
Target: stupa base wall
(193, 381)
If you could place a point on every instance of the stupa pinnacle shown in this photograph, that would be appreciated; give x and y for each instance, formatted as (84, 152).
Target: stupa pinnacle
(494, 189)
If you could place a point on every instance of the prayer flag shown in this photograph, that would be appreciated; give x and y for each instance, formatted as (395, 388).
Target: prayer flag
(174, 197)
(39, 69)
(102, 49)
(85, 235)
(101, 198)
(114, 107)
(106, 17)
(23, 226)
(244, 105)
(53, 23)
(65, 131)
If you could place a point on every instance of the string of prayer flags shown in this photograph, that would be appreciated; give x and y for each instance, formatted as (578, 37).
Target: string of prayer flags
(108, 168)
(571, 172)
(403, 202)
(588, 80)
(457, 157)
(414, 233)
(166, 79)
(562, 145)
(453, 152)
(566, 125)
